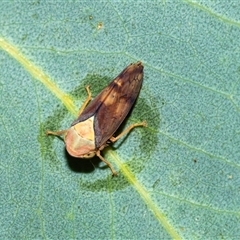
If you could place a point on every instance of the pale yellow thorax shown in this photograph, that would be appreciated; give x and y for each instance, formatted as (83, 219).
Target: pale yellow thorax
(80, 139)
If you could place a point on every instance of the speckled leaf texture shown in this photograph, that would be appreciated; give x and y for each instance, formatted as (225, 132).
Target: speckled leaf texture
(179, 178)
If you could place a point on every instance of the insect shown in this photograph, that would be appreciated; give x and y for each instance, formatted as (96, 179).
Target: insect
(97, 121)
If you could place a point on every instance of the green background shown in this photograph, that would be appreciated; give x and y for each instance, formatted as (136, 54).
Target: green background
(179, 177)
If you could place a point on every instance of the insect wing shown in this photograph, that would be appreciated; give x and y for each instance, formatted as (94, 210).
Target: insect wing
(112, 104)
(114, 109)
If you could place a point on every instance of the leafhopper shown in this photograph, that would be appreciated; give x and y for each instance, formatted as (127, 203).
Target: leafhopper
(97, 121)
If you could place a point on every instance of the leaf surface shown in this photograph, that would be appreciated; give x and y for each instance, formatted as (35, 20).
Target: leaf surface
(178, 177)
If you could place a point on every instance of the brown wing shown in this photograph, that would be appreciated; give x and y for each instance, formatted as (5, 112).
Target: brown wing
(113, 103)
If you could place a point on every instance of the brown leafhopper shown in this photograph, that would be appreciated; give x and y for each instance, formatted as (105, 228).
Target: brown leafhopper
(99, 120)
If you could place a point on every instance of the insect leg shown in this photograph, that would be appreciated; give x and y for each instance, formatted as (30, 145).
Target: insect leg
(58, 133)
(141, 124)
(89, 97)
(104, 160)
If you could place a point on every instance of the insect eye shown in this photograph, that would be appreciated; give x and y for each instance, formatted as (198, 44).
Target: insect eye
(89, 155)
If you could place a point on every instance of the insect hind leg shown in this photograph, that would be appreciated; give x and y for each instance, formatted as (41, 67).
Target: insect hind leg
(141, 124)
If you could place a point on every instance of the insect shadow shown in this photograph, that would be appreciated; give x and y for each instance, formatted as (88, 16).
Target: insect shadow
(83, 165)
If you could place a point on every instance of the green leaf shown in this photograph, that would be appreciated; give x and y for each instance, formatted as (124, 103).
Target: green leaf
(178, 177)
